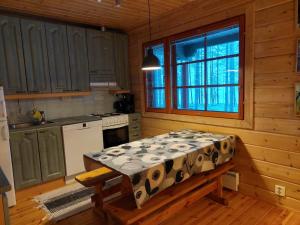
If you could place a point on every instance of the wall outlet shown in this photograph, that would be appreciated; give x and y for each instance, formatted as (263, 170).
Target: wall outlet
(280, 190)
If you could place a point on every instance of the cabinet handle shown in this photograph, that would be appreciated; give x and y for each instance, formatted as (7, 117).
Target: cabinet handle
(29, 133)
(20, 92)
(35, 92)
(42, 131)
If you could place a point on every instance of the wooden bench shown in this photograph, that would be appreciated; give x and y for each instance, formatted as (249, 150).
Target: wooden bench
(97, 178)
(160, 207)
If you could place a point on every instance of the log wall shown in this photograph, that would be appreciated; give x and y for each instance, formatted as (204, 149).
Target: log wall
(268, 150)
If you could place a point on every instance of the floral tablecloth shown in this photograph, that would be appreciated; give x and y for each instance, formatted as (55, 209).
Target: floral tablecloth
(154, 164)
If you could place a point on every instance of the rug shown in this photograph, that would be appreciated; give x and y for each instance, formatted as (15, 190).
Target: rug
(65, 202)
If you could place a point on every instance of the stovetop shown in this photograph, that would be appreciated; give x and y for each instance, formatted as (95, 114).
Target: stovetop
(112, 119)
(106, 114)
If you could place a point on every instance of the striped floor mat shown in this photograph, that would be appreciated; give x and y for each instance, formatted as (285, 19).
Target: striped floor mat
(65, 202)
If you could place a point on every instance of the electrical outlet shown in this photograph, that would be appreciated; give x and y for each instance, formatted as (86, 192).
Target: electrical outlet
(280, 190)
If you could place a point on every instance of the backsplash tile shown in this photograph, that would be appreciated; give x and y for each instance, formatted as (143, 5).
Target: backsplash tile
(100, 101)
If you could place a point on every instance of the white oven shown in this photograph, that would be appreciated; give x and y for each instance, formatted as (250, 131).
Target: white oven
(115, 130)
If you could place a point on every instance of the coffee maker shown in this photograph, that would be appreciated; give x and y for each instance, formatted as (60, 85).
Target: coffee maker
(124, 104)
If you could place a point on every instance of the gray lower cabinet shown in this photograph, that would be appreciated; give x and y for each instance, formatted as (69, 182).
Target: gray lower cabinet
(25, 158)
(101, 55)
(134, 126)
(78, 58)
(36, 56)
(12, 68)
(51, 153)
(58, 54)
(37, 156)
(121, 60)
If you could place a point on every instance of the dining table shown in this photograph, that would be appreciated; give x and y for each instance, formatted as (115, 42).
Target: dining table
(153, 164)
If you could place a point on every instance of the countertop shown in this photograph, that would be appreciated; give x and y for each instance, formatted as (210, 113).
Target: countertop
(4, 184)
(59, 122)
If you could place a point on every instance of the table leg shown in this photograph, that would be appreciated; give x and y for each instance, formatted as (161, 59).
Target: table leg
(217, 195)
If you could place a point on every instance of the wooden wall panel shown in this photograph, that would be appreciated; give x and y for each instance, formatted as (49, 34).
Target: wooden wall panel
(285, 46)
(275, 64)
(269, 153)
(275, 31)
(276, 14)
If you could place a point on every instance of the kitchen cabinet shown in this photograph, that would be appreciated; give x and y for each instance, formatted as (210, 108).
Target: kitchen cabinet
(25, 158)
(121, 60)
(58, 54)
(101, 56)
(48, 57)
(78, 58)
(36, 56)
(51, 153)
(134, 126)
(12, 68)
(37, 156)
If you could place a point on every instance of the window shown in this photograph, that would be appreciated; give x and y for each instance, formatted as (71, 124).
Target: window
(205, 71)
(155, 81)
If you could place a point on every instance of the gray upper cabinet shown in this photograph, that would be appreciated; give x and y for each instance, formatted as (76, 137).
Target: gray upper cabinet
(25, 158)
(51, 153)
(12, 69)
(58, 54)
(121, 59)
(78, 58)
(101, 56)
(36, 57)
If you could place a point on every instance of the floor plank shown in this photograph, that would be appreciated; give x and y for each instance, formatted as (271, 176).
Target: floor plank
(241, 210)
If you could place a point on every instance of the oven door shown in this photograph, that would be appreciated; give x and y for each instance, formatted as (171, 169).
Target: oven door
(115, 136)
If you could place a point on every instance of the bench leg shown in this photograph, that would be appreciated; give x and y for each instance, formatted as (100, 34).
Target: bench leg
(98, 201)
(217, 195)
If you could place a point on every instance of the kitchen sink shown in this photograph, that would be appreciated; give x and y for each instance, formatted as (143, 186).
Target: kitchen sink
(27, 125)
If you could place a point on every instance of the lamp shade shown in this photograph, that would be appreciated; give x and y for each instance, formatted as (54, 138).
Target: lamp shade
(150, 61)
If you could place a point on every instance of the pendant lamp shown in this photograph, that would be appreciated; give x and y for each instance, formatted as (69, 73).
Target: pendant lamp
(150, 61)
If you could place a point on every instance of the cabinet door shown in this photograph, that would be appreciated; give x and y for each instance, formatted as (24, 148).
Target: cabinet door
(121, 59)
(58, 53)
(51, 153)
(78, 58)
(12, 69)
(25, 158)
(36, 56)
(101, 56)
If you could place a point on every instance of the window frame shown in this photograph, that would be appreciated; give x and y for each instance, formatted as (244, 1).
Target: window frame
(164, 42)
(169, 67)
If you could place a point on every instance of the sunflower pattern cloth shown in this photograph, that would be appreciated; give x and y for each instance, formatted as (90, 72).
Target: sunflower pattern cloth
(154, 164)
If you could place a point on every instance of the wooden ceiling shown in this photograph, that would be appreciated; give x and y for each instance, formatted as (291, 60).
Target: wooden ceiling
(131, 14)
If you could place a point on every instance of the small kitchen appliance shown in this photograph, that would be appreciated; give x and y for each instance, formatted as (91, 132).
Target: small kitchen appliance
(125, 103)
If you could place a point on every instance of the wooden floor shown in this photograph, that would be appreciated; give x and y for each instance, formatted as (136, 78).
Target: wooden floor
(242, 210)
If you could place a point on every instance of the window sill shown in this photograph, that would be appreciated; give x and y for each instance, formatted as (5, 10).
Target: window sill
(244, 124)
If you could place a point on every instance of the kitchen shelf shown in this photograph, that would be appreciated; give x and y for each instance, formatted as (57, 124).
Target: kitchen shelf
(46, 95)
(118, 91)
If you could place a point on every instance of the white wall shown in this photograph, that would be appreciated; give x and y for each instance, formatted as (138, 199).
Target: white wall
(100, 101)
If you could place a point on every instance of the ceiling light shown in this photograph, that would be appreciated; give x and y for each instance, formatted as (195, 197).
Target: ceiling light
(150, 61)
